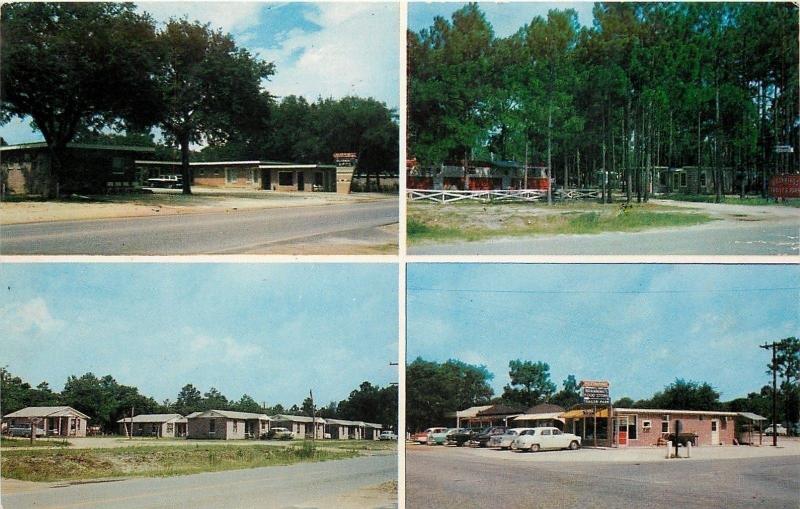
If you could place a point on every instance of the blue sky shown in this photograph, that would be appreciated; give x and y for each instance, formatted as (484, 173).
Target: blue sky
(272, 331)
(638, 326)
(505, 17)
(319, 49)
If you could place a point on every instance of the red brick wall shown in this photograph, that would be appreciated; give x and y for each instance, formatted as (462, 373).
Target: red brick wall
(700, 425)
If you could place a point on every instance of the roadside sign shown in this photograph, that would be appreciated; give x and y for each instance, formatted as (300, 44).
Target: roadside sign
(784, 149)
(784, 186)
(595, 392)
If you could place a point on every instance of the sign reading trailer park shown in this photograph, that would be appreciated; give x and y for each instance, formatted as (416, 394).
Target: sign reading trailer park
(595, 392)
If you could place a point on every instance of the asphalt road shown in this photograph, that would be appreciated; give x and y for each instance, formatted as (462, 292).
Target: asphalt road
(733, 239)
(452, 478)
(294, 486)
(235, 232)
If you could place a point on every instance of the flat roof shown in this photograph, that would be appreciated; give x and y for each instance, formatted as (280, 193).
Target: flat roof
(88, 146)
(262, 165)
(662, 411)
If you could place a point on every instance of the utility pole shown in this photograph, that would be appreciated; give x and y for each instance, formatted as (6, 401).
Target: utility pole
(774, 367)
(313, 420)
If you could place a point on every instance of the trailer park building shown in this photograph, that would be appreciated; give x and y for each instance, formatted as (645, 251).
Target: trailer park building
(59, 421)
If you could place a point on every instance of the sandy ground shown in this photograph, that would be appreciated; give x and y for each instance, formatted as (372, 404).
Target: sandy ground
(369, 497)
(169, 202)
(786, 447)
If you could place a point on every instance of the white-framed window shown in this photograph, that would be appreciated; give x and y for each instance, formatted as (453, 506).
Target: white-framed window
(117, 165)
(646, 425)
(232, 175)
(665, 424)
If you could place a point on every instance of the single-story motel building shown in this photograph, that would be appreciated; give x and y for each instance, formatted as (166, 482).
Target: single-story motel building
(211, 424)
(56, 421)
(630, 427)
(153, 425)
(94, 169)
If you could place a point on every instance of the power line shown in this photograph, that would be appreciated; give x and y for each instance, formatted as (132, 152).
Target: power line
(702, 290)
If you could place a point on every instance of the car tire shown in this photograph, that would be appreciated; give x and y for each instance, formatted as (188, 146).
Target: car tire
(534, 448)
(574, 445)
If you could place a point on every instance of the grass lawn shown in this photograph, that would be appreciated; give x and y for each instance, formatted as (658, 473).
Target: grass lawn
(26, 442)
(472, 221)
(154, 461)
(359, 445)
(732, 200)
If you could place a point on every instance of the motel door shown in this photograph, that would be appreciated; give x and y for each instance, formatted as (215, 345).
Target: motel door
(714, 431)
(301, 181)
(621, 430)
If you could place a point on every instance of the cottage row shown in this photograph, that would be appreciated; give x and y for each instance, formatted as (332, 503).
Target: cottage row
(620, 427)
(65, 421)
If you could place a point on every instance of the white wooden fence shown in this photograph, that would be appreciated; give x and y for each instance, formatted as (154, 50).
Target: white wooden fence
(501, 195)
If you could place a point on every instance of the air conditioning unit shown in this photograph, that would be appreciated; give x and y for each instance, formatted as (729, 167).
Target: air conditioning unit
(646, 425)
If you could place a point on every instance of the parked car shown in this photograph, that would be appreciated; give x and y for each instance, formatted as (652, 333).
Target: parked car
(771, 429)
(440, 438)
(279, 433)
(422, 436)
(24, 430)
(504, 441)
(481, 438)
(387, 435)
(459, 436)
(538, 439)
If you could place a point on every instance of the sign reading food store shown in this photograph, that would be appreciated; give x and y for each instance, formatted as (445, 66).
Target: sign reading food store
(595, 392)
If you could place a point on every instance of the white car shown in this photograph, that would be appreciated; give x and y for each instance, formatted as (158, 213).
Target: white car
(504, 441)
(779, 430)
(387, 435)
(540, 439)
(278, 433)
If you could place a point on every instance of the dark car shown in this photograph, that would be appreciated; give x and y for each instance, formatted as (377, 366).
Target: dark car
(460, 437)
(481, 438)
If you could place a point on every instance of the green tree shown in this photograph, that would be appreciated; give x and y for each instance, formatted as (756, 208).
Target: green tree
(247, 404)
(568, 395)
(56, 69)
(435, 390)
(209, 88)
(530, 383)
(214, 400)
(189, 400)
(685, 395)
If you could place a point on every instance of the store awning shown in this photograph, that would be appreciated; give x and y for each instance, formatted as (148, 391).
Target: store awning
(581, 413)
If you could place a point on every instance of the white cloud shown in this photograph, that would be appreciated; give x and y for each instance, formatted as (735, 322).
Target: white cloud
(354, 53)
(231, 17)
(32, 317)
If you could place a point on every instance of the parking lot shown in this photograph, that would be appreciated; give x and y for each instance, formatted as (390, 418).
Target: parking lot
(724, 477)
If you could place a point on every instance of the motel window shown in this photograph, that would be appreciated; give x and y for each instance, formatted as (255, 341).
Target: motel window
(683, 180)
(233, 176)
(646, 425)
(665, 424)
(118, 165)
(702, 180)
(170, 427)
(212, 424)
(713, 425)
(285, 178)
